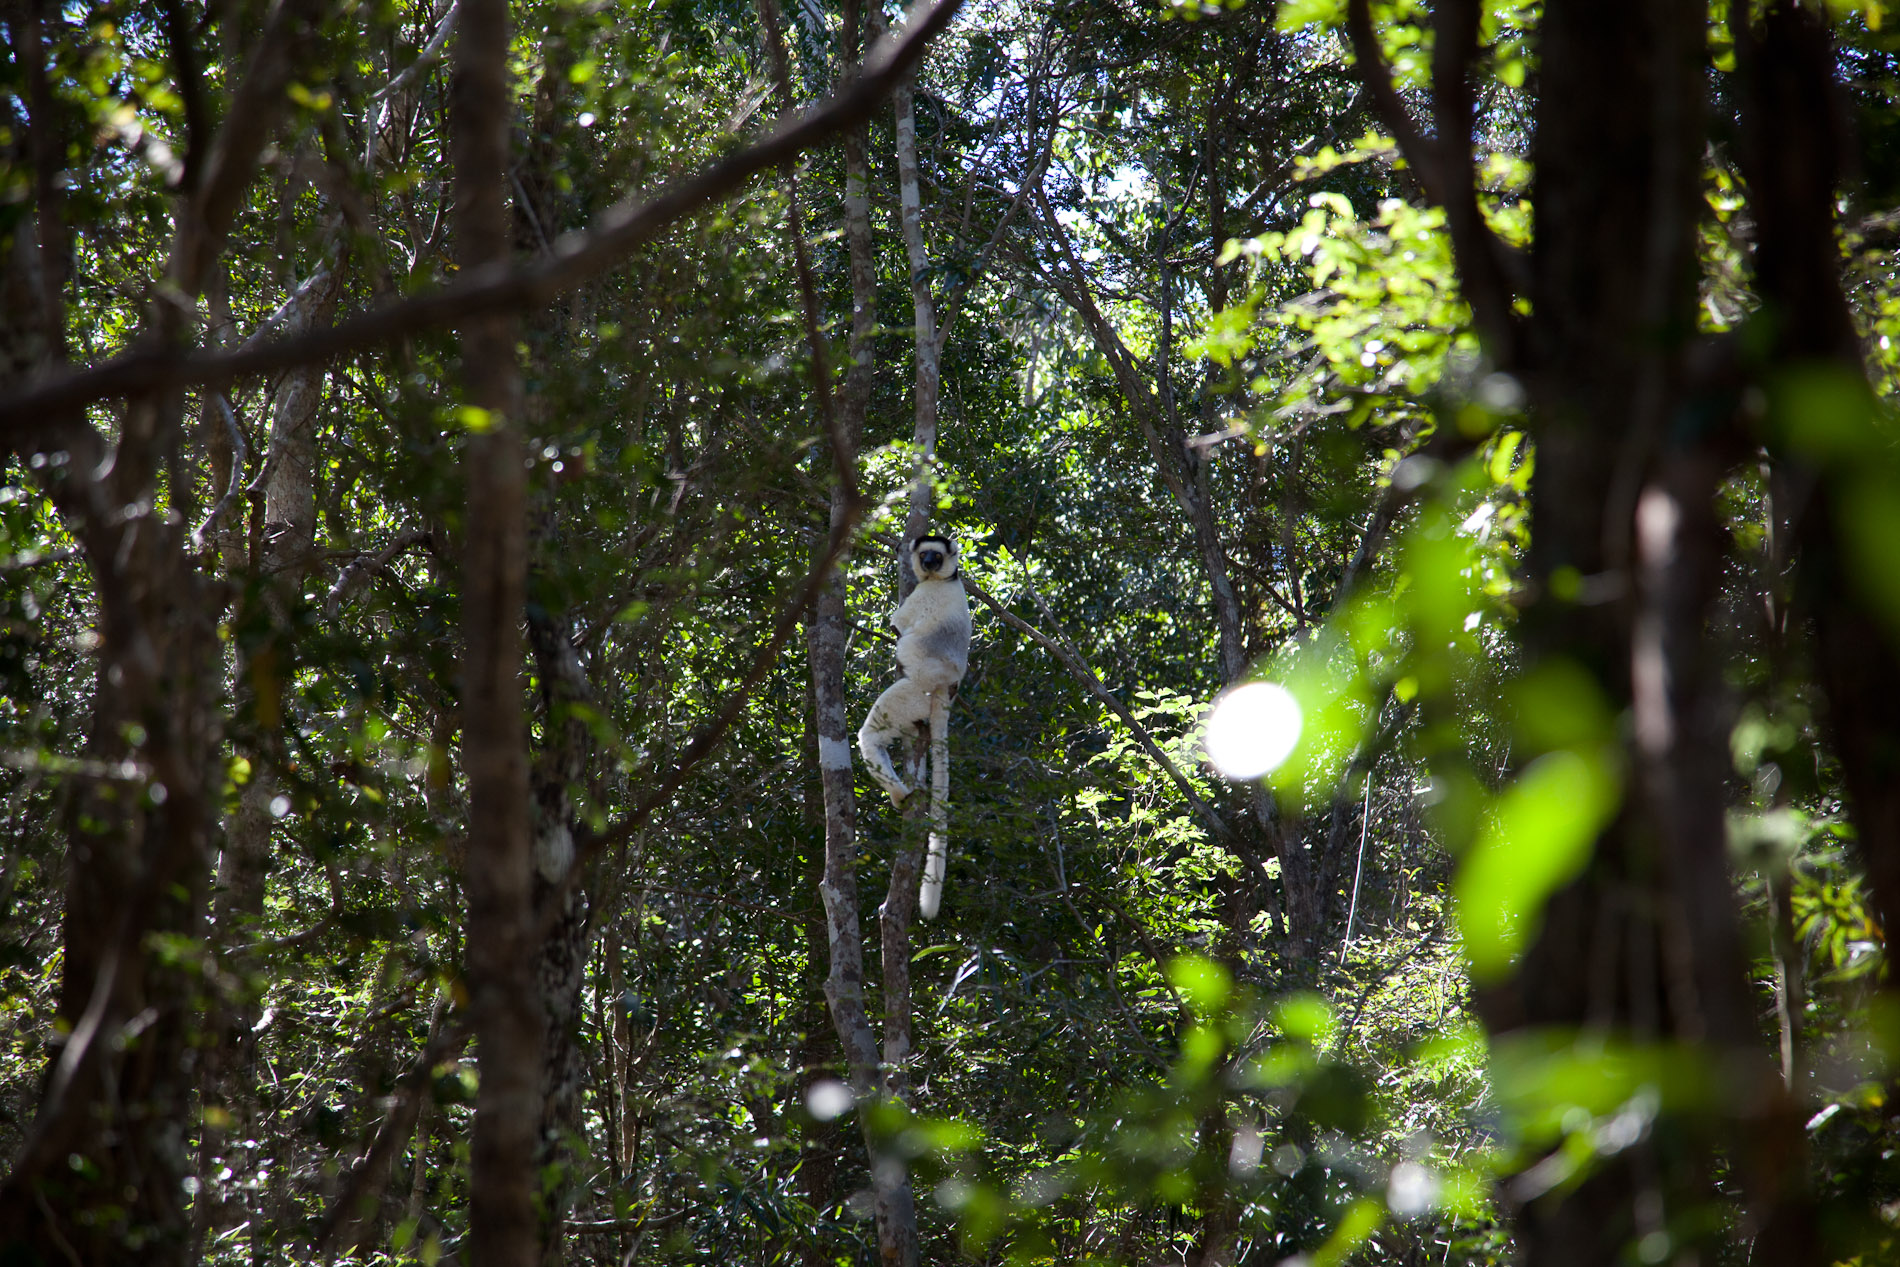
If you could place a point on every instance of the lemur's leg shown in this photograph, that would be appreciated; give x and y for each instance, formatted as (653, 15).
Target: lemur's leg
(890, 720)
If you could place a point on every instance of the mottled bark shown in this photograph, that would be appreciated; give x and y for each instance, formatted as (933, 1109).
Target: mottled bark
(923, 305)
(561, 958)
(508, 1019)
(826, 636)
(819, 1055)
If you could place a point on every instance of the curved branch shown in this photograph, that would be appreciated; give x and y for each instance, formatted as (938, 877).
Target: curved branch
(1491, 271)
(1079, 669)
(576, 258)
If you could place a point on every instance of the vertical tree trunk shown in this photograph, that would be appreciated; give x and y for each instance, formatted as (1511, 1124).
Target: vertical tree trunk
(818, 1053)
(262, 659)
(924, 313)
(503, 1227)
(1645, 945)
(123, 1077)
(561, 958)
(826, 636)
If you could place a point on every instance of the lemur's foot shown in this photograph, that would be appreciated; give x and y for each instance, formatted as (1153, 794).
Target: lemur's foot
(898, 798)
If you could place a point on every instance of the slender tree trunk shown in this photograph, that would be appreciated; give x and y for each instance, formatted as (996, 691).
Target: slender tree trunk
(262, 660)
(508, 1019)
(827, 632)
(561, 958)
(141, 834)
(1792, 154)
(924, 313)
(818, 1054)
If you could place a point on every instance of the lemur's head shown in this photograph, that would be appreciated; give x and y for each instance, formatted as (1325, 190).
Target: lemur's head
(933, 558)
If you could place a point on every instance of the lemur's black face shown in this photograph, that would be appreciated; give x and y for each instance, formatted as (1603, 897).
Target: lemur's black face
(932, 555)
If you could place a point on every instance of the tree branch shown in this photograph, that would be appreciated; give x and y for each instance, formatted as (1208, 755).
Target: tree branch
(25, 417)
(1490, 270)
(1078, 668)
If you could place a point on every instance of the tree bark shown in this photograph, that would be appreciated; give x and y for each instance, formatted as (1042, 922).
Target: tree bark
(561, 958)
(508, 1019)
(826, 636)
(928, 380)
(141, 829)
(1645, 945)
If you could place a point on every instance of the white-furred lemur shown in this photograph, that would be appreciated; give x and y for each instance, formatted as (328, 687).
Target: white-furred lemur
(933, 650)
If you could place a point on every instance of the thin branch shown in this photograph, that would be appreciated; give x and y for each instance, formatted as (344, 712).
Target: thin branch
(801, 259)
(1489, 268)
(367, 564)
(239, 455)
(26, 560)
(1387, 103)
(576, 259)
(953, 303)
(708, 738)
(430, 54)
(1079, 669)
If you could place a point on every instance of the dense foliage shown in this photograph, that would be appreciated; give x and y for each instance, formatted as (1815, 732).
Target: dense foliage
(1236, 384)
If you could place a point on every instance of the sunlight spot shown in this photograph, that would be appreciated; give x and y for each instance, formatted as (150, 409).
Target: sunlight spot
(1243, 1158)
(1252, 730)
(829, 1099)
(1411, 1190)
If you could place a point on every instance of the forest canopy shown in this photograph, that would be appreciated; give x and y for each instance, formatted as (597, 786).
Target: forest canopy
(1426, 783)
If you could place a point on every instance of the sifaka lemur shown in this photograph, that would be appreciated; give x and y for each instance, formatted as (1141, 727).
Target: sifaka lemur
(933, 650)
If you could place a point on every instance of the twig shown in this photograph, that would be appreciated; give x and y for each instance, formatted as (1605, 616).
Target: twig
(28, 559)
(801, 259)
(430, 54)
(1359, 871)
(708, 738)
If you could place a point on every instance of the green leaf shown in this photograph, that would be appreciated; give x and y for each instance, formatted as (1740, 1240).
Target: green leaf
(1205, 984)
(1295, 14)
(1537, 838)
(476, 419)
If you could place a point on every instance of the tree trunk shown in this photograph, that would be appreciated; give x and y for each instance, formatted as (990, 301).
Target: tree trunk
(561, 958)
(262, 659)
(141, 821)
(923, 492)
(1645, 945)
(508, 1020)
(826, 636)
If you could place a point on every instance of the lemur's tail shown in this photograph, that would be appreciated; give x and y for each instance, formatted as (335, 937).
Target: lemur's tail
(930, 894)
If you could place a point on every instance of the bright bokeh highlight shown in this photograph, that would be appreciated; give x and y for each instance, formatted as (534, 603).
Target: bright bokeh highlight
(1252, 730)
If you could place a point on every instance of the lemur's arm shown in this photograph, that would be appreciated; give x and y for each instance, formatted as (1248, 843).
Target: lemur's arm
(907, 611)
